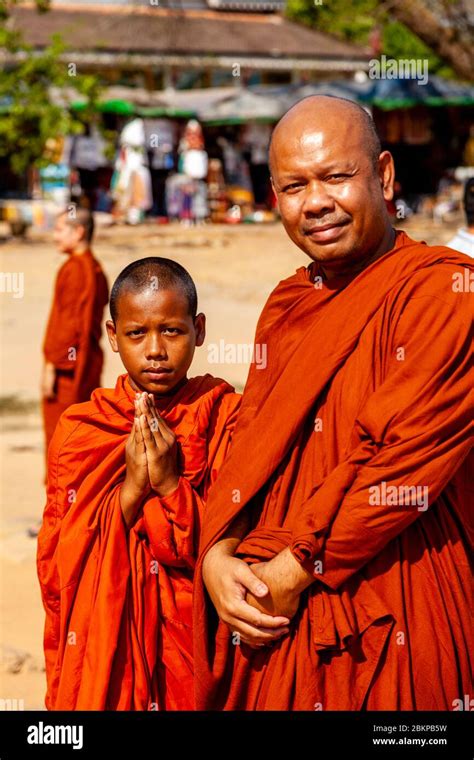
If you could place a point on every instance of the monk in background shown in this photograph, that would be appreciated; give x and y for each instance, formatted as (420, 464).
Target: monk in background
(73, 357)
(128, 475)
(335, 558)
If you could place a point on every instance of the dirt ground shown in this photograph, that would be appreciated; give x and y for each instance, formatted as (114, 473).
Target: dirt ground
(235, 269)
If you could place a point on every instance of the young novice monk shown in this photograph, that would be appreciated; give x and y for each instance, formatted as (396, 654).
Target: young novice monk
(128, 474)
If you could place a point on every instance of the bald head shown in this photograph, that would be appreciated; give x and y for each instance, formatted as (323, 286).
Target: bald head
(332, 182)
(310, 113)
(78, 216)
(152, 274)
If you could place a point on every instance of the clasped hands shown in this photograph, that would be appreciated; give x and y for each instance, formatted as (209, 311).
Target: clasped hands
(151, 457)
(256, 601)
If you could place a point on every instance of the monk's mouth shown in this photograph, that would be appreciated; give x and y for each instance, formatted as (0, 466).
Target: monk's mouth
(157, 374)
(325, 233)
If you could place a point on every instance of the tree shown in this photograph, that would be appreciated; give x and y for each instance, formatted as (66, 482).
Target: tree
(30, 117)
(445, 26)
(439, 30)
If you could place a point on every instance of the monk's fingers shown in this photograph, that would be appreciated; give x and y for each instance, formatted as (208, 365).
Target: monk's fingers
(151, 416)
(139, 407)
(165, 431)
(250, 581)
(156, 441)
(158, 425)
(255, 636)
(155, 426)
(132, 438)
(148, 437)
(240, 610)
(139, 441)
(142, 404)
(251, 644)
(238, 639)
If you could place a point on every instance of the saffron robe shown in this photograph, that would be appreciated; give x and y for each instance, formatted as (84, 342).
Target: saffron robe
(368, 386)
(118, 602)
(72, 339)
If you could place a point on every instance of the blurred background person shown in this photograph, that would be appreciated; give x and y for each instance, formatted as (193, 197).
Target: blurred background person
(464, 238)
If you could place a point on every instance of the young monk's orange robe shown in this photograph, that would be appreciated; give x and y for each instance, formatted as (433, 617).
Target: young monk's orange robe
(369, 385)
(118, 603)
(72, 340)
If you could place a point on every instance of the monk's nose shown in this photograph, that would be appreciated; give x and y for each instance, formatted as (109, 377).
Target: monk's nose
(155, 348)
(317, 201)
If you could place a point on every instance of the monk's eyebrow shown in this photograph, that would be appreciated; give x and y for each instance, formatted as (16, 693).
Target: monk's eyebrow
(320, 170)
(171, 322)
(132, 325)
(174, 323)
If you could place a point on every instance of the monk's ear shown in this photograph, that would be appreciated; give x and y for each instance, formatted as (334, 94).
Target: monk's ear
(112, 335)
(274, 190)
(200, 327)
(386, 174)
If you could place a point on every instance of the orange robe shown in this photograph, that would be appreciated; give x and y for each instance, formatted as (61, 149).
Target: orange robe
(72, 340)
(368, 386)
(118, 632)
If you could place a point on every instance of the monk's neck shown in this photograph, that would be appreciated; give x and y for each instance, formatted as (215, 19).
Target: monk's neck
(80, 250)
(386, 244)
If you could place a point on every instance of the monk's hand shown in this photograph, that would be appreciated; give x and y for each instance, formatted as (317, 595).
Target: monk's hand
(285, 579)
(161, 448)
(228, 580)
(48, 381)
(136, 485)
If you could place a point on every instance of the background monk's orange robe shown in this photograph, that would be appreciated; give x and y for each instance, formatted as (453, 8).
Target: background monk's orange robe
(369, 384)
(118, 603)
(75, 322)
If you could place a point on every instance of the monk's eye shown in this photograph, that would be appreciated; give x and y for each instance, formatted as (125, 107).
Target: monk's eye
(135, 332)
(337, 177)
(294, 186)
(171, 331)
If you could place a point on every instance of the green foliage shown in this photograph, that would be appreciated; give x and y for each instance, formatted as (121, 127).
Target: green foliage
(400, 42)
(29, 116)
(353, 21)
(6, 7)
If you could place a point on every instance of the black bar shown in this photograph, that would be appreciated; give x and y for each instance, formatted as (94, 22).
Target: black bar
(317, 735)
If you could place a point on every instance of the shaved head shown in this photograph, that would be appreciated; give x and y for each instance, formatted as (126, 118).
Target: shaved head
(154, 325)
(315, 106)
(152, 274)
(332, 183)
(78, 216)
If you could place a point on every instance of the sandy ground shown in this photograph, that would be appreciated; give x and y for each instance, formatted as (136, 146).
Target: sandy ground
(235, 268)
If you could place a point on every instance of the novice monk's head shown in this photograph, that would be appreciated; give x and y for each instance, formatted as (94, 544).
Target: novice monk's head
(332, 181)
(74, 229)
(154, 325)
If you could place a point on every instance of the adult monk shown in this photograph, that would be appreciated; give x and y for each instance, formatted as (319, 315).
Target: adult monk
(128, 474)
(72, 354)
(335, 544)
